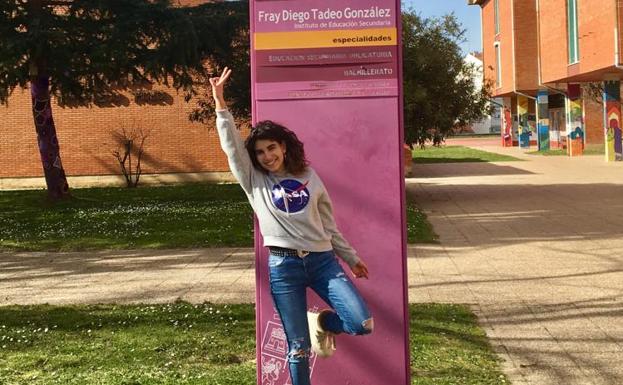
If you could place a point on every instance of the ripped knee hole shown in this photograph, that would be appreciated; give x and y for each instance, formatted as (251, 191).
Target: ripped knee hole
(368, 325)
(298, 353)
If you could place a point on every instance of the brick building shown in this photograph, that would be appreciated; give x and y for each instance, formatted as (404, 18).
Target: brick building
(176, 149)
(556, 64)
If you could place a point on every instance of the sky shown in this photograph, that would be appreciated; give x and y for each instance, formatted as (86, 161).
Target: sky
(468, 16)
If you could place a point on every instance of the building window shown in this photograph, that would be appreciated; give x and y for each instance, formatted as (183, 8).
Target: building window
(498, 66)
(572, 31)
(496, 13)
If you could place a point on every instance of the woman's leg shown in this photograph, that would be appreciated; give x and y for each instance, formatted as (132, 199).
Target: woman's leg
(287, 285)
(331, 283)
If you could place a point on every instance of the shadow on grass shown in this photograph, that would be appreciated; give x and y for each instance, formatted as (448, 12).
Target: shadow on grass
(176, 343)
(183, 343)
(193, 215)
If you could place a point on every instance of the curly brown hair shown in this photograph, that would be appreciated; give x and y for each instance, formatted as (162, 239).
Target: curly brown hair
(295, 161)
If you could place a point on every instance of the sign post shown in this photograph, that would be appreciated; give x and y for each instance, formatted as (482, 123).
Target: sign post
(330, 71)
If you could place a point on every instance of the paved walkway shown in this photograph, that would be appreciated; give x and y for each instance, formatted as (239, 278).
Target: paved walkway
(535, 247)
(139, 276)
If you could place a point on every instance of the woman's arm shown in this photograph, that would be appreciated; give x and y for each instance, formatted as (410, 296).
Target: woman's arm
(231, 142)
(341, 246)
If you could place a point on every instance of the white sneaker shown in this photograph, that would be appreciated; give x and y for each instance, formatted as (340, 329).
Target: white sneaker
(323, 342)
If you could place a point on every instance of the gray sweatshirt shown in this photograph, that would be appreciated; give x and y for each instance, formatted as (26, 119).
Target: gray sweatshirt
(294, 212)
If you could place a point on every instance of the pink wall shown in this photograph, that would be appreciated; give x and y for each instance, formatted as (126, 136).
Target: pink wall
(355, 144)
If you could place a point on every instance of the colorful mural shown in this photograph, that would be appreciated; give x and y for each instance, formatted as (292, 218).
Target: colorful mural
(556, 129)
(612, 111)
(575, 121)
(543, 120)
(507, 131)
(524, 122)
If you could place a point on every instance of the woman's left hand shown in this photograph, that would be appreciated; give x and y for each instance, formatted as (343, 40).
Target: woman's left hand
(360, 270)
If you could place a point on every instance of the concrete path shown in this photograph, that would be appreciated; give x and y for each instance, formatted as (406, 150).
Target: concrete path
(536, 248)
(140, 276)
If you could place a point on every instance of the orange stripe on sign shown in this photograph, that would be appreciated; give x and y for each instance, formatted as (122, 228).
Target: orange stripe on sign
(325, 39)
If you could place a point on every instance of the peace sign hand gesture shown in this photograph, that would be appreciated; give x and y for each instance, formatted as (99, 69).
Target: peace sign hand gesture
(218, 84)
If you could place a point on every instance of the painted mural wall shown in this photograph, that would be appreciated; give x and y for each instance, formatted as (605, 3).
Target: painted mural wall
(525, 129)
(575, 121)
(507, 124)
(557, 130)
(612, 111)
(543, 120)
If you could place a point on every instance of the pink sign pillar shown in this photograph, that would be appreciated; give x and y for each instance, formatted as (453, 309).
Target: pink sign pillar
(330, 71)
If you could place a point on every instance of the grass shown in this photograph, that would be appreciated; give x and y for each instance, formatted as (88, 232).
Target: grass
(550, 152)
(175, 343)
(457, 154)
(193, 215)
(447, 347)
(589, 149)
(206, 344)
(471, 135)
(419, 229)
(594, 149)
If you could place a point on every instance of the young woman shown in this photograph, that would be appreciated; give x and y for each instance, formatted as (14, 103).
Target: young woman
(296, 220)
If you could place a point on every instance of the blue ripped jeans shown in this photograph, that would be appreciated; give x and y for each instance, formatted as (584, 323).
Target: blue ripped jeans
(289, 278)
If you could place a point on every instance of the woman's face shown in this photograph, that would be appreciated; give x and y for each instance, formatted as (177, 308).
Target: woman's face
(271, 154)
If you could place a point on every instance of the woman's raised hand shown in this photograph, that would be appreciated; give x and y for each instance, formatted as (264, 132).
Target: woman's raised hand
(218, 84)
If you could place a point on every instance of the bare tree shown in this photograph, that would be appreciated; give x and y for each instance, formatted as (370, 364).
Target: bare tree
(131, 144)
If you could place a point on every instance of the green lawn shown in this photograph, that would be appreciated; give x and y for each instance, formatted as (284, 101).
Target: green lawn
(594, 149)
(457, 154)
(206, 344)
(551, 152)
(495, 135)
(192, 215)
(419, 229)
(589, 149)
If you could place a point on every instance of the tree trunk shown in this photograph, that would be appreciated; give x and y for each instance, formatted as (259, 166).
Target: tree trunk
(46, 138)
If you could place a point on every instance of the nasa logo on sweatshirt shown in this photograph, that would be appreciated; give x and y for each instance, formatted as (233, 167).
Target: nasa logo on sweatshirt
(290, 195)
